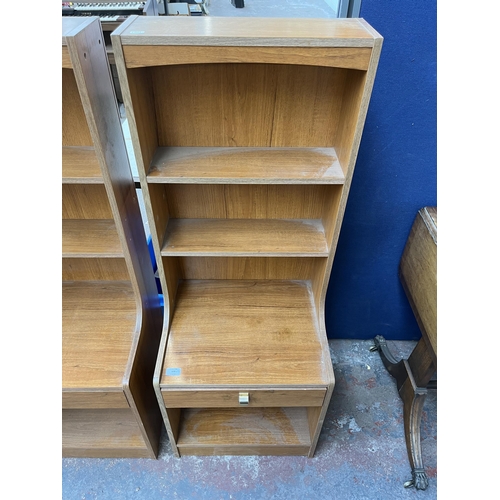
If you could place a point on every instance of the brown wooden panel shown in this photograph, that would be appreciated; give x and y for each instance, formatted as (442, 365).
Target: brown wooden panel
(243, 268)
(247, 105)
(229, 398)
(302, 237)
(85, 201)
(244, 31)
(102, 433)
(94, 269)
(98, 326)
(229, 332)
(90, 238)
(75, 131)
(143, 121)
(245, 201)
(244, 450)
(352, 100)
(93, 400)
(246, 166)
(66, 60)
(244, 427)
(418, 272)
(80, 165)
(157, 55)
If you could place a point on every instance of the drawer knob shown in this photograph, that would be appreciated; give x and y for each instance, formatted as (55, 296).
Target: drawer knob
(243, 398)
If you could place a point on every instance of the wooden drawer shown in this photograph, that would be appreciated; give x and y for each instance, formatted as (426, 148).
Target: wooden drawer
(229, 398)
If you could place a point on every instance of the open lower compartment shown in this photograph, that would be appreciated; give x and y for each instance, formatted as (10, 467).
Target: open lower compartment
(244, 431)
(256, 337)
(106, 433)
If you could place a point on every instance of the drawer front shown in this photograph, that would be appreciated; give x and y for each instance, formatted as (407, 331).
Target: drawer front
(232, 398)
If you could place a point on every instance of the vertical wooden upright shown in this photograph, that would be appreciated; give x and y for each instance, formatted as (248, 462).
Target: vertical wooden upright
(112, 316)
(246, 133)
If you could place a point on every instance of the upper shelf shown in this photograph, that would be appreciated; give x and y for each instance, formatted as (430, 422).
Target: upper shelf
(245, 237)
(238, 165)
(80, 165)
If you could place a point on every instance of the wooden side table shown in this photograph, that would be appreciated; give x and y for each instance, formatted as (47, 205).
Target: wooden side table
(418, 274)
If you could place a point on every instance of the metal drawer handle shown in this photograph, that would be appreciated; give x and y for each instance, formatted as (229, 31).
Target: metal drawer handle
(243, 398)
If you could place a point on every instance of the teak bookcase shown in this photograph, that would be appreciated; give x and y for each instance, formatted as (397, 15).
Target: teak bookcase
(246, 133)
(111, 311)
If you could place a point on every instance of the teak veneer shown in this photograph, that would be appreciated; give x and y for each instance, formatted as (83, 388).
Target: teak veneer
(111, 313)
(245, 133)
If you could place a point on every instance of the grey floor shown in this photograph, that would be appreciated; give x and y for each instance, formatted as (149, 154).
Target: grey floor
(361, 452)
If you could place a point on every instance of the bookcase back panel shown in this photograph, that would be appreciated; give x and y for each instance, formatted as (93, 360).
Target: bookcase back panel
(85, 201)
(241, 268)
(247, 104)
(246, 201)
(75, 131)
(94, 269)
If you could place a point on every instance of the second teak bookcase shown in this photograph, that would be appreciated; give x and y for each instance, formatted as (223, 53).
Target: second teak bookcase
(245, 133)
(111, 311)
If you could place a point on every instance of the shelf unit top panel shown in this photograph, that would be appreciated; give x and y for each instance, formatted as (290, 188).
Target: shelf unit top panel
(70, 23)
(228, 333)
(235, 165)
(80, 165)
(245, 31)
(98, 327)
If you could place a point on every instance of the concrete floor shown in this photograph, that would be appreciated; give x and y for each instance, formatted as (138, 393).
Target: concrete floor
(361, 452)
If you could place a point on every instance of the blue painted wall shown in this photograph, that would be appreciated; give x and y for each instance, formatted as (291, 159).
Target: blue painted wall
(395, 176)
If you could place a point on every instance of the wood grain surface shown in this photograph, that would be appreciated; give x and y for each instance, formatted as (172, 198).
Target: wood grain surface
(245, 237)
(160, 55)
(80, 165)
(229, 398)
(90, 238)
(246, 166)
(85, 201)
(99, 323)
(244, 201)
(244, 426)
(246, 31)
(418, 273)
(111, 433)
(228, 333)
(245, 268)
(94, 269)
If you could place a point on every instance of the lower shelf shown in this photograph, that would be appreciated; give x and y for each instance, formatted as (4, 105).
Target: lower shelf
(102, 434)
(99, 321)
(244, 431)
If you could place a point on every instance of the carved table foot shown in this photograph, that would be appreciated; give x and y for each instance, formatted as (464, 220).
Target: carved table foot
(413, 398)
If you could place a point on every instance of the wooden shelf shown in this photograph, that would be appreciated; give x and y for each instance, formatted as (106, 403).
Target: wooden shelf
(245, 237)
(102, 433)
(90, 238)
(244, 431)
(228, 333)
(98, 324)
(80, 165)
(236, 165)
